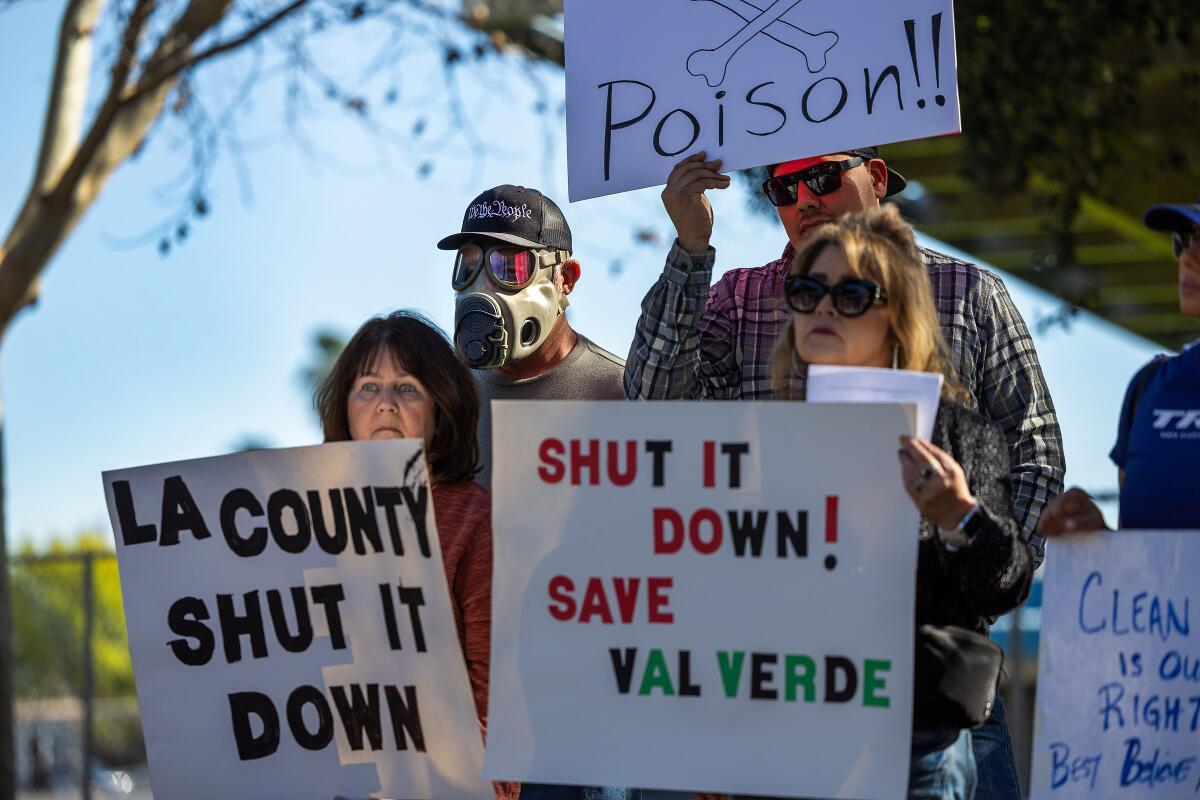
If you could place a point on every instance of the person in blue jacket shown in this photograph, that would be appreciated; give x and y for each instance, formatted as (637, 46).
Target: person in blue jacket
(1158, 438)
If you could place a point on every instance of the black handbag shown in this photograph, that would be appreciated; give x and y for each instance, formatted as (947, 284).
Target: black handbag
(956, 674)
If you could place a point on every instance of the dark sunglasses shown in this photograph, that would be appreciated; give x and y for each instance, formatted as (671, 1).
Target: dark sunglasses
(1182, 240)
(851, 298)
(820, 179)
(509, 267)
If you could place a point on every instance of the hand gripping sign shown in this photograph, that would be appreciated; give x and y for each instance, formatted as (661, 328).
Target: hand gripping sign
(750, 81)
(291, 630)
(702, 597)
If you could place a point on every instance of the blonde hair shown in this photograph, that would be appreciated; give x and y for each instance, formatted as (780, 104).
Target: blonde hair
(879, 246)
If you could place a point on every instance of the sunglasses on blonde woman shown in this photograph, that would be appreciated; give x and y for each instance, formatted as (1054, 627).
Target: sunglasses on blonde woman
(851, 298)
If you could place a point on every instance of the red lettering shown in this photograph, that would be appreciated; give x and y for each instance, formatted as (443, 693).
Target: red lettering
(664, 543)
(831, 514)
(627, 592)
(552, 469)
(710, 464)
(561, 588)
(656, 589)
(714, 520)
(615, 475)
(595, 601)
(589, 460)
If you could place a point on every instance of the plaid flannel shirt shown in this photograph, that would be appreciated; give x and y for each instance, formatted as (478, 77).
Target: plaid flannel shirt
(693, 343)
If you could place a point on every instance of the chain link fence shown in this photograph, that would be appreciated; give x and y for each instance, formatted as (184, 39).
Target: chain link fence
(78, 731)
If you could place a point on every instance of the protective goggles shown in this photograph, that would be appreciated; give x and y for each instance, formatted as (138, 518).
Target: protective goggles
(1182, 240)
(509, 267)
(820, 179)
(851, 298)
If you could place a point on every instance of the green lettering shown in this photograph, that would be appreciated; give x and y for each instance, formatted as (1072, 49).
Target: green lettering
(873, 683)
(731, 672)
(656, 675)
(792, 680)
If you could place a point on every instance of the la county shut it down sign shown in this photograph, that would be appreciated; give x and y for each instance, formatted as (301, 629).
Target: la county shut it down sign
(290, 626)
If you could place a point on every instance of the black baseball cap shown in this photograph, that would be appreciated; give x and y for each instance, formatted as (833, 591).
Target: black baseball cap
(896, 181)
(513, 214)
(1173, 218)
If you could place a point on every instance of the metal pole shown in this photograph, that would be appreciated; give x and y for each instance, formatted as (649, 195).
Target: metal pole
(89, 688)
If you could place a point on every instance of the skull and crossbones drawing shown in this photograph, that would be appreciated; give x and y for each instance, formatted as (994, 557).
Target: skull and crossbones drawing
(712, 64)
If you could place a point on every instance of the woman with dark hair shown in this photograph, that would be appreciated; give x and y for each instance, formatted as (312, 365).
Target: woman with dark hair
(398, 378)
(860, 296)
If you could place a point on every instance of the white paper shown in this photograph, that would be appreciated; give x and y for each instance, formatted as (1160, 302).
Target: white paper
(651, 82)
(557, 713)
(187, 709)
(828, 384)
(1118, 707)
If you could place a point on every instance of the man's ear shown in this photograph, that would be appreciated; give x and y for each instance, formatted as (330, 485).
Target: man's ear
(879, 177)
(570, 273)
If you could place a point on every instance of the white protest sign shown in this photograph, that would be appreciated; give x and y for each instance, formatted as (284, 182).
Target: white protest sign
(702, 596)
(1118, 713)
(750, 81)
(290, 626)
(923, 390)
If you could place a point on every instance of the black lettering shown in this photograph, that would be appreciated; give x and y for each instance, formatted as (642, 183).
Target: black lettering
(256, 542)
(131, 531)
(418, 504)
(406, 717)
(686, 687)
(283, 500)
(183, 618)
(332, 544)
(892, 72)
(747, 528)
(359, 714)
(658, 448)
(837, 109)
(389, 616)
(235, 626)
(328, 598)
(414, 598)
(782, 114)
(249, 746)
(389, 497)
(323, 735)
(302, 639)
(364, 525)
(797, 535)
(833, 666)
(610, 126)
(663, 123)
(762, 667)
(180, 513)
(622, 664)
(735, 451)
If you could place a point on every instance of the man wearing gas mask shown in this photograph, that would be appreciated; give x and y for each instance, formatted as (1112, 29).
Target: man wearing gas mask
(512, 274)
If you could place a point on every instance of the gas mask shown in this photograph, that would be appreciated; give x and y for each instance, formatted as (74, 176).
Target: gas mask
(507, 303)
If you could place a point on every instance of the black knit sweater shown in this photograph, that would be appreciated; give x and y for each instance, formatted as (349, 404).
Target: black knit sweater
(991, 575)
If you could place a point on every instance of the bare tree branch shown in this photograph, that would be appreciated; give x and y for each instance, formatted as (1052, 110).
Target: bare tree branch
(175, 62)
(68, 91)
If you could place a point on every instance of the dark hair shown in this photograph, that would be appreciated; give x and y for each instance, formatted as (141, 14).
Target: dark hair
(424, 352)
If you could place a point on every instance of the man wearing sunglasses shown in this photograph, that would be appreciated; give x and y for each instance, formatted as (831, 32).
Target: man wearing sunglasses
(513, 270)
(1157, 451)
(695, 342)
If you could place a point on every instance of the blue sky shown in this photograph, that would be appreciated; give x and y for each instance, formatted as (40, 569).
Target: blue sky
(133, 358)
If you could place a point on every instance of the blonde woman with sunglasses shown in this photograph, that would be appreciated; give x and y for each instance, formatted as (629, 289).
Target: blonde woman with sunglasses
(860, 296)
